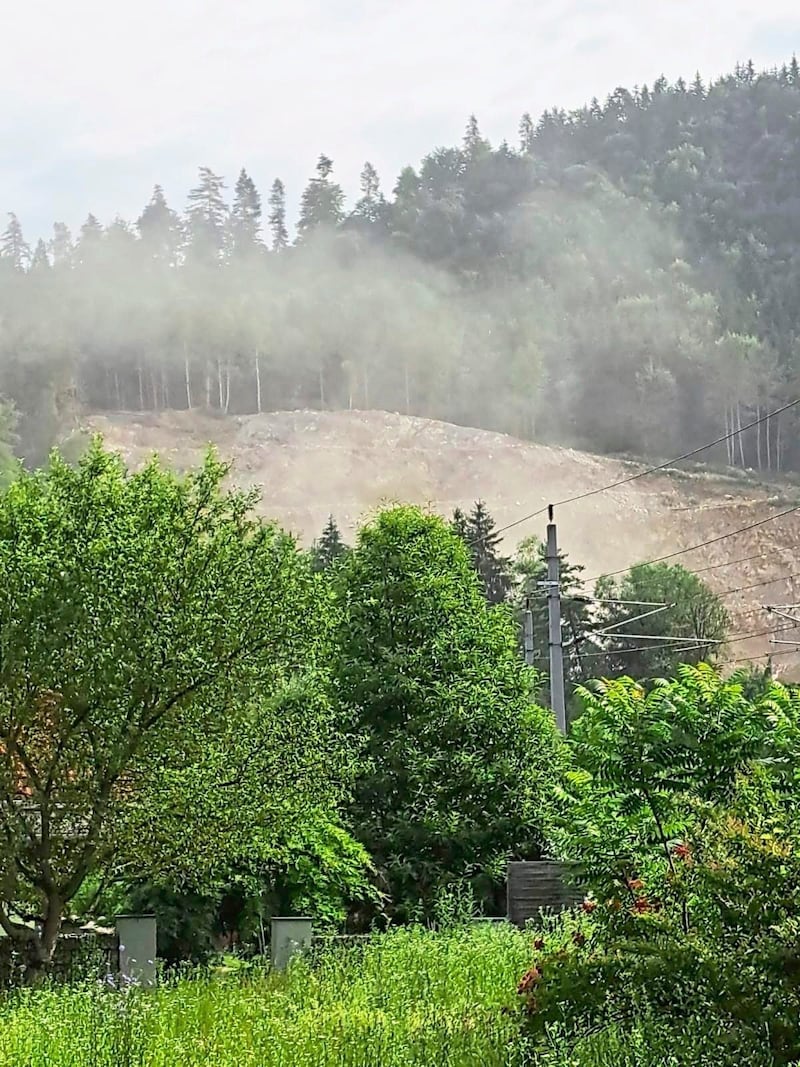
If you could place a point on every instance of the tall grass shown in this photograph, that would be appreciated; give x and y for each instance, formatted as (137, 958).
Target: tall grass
(409, 998)
(406, 998)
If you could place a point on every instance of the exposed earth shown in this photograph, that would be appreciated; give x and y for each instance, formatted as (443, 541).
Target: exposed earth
(310, 464)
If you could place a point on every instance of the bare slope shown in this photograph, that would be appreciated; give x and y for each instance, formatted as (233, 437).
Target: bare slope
(310, 464)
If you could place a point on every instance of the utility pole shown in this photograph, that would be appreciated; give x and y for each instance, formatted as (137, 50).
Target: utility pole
(527, 632)
(557, 701)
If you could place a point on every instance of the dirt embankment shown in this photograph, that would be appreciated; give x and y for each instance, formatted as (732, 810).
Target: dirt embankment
(310, 464)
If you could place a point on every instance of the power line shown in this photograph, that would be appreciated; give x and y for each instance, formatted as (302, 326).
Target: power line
(702, 544)
(642, 474)
(758, 585)
(686, 648)
(750, 659)
(730, 563)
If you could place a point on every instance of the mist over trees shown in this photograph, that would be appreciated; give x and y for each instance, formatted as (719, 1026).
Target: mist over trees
(623, 279)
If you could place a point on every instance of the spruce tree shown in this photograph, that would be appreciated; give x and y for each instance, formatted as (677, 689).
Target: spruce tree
(40, 260)
(329, 547)
(89, 241)
(61, 246)
(13, 247)
(160, 227)
(322, 203)
(207, 215)
(475, 145)
(494, 571)
(245, 216)
(371, 205)
(277, 216)
(527, 134)
(698, 89)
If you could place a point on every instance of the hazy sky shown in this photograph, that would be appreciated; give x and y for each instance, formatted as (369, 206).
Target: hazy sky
(103, 98)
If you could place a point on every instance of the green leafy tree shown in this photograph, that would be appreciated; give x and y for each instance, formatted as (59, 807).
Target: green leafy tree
(691, 628)
(458, 761)
(677, 817)
(9, 464)
(161, 706)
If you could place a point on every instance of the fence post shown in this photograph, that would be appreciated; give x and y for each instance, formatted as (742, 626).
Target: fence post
(289, 937)
(136, 936)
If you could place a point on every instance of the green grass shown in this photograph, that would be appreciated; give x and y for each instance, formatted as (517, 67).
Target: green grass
(404, 999)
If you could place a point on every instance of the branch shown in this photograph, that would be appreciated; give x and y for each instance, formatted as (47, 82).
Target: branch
(14, 930)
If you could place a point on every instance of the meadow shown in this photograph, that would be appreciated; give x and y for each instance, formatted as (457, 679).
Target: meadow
(404, 999)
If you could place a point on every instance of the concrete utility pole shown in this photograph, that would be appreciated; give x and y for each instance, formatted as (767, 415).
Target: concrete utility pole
(527, 632)
(557, 701)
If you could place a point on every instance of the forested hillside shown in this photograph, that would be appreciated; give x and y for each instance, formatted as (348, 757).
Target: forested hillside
(625, 279)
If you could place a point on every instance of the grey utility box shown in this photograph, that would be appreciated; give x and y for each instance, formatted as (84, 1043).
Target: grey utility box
(536, 886)
(289, 936)
(136, 935)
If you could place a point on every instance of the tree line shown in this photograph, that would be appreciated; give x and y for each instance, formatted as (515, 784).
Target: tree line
(600, 624)
(198, 716)
(621, 279)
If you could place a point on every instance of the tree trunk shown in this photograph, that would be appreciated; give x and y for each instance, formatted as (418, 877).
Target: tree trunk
(758, 437)
(219, 385)
(739, 433)
(258, 384)
(227, 385)
(366, 388)
(728, 440)
(778, 443)
(208, 387)
(322, 387)
(43, 945)
(154, 389)
(141, 387)
(117, 393)
(769, 446)
(408, 389)
(187, 378)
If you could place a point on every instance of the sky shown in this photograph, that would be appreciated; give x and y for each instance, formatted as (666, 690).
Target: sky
(101, 99)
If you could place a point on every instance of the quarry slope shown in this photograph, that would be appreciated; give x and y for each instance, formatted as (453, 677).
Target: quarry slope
(310, 464)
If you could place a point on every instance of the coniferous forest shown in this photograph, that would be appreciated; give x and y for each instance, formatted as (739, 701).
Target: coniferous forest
(638, 256)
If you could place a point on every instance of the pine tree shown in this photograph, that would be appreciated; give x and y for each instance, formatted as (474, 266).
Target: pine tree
(91, 233)
(371, 205)
(794, 72)
(475, 146)
(207, 215)
(277, 216)
(322, 202)
(527, 134)
(329, 547)
(160, 227)
(698, 89)
(40, 260)
(494, 570)
(13, 247)
(61, 246)
(245, 215)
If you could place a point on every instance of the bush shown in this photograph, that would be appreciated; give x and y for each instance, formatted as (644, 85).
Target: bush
(680, 820)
